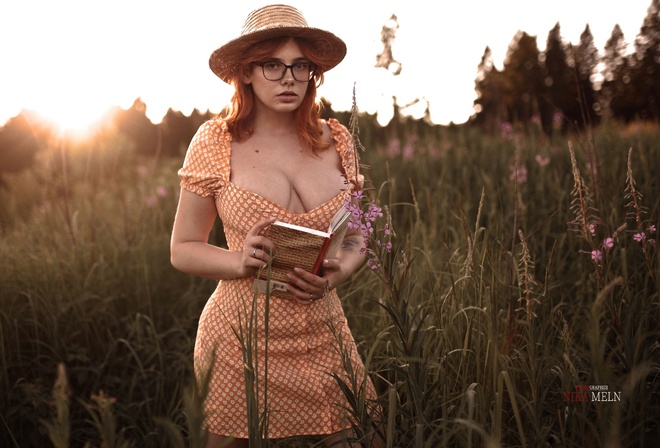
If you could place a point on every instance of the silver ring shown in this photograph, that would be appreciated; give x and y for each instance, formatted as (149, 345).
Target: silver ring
(254, 253)
(311, 297)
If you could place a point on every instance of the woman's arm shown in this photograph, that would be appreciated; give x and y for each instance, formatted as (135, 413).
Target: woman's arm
(190, 251)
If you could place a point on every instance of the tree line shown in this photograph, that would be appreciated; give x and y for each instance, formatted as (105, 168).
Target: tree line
(566, 86)
(572, 86)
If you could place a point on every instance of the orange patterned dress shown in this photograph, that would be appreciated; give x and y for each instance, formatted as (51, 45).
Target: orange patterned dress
(307, 344)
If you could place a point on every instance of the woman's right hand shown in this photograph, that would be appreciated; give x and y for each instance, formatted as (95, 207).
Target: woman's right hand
(257, 249)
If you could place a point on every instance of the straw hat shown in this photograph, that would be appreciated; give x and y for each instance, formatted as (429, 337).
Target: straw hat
(275, 21)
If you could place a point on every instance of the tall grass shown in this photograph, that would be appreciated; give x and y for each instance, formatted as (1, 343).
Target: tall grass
(501, 292)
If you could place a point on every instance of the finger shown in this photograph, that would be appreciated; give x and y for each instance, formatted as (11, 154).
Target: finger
(306, 298)
(331, 264)
(255, 240)
(307, 283)
(260, 226)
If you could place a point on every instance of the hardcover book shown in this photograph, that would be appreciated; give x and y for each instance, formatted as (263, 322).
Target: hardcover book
(301, 247)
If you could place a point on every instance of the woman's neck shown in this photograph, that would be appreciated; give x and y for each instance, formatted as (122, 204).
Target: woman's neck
(273, 123)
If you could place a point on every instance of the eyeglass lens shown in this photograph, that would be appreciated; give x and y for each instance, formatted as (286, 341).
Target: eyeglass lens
(274, 71)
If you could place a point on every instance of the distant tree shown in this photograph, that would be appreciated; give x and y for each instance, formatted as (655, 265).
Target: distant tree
(645, 65)
(617, 92)
(522, 78)
(135, 125)
(489, 106)
(560, 86)
(20, 141)
(586, 64)
(177, 130)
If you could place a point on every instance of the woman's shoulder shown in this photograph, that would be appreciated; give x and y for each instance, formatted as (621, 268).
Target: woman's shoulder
(343, 141)
(214, 128)
(337, 134)
(337, 130)
(205, 168)
(210, 144)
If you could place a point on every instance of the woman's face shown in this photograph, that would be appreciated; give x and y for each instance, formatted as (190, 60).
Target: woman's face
(286, 94)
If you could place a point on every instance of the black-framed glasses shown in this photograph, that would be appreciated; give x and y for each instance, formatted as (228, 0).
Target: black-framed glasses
(274, 70)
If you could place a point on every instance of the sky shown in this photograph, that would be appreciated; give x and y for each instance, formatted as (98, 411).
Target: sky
(71, 60)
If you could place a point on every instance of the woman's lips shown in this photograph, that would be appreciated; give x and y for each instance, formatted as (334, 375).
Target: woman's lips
(287, 96)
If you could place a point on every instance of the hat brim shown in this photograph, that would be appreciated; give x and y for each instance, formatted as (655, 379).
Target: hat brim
(225, 60)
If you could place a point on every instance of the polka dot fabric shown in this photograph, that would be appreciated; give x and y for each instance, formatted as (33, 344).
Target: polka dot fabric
(307, 344)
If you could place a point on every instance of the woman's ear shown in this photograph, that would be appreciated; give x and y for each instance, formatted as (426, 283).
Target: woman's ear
(246, 77)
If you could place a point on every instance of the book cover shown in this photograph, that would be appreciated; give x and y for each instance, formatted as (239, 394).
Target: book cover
(301, 247)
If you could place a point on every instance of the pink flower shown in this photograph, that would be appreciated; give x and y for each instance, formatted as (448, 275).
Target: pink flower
(161, 191)
(388, 246)
(596, 255)
(506, 131)
(518, 175)
(408, 152)
(592, 229)
(651, 228)
(558, 119)
(542, 161)
(394, 147)
(639, 237)
(608, 243)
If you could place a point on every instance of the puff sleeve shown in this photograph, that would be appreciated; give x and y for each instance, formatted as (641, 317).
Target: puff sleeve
(349, 157)
(205, 170)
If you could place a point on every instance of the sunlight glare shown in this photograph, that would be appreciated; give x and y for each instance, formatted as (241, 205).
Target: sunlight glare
(74, 121)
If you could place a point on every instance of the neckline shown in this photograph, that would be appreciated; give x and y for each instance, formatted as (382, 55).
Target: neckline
(333, 136)
(283, 208)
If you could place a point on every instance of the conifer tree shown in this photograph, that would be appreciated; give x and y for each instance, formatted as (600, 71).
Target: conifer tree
(489, 105)
(523, 78)
(560, 89)
(645, 65)
(617, 91)
(586, 64)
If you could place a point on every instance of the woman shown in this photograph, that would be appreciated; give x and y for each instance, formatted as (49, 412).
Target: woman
(267, 157)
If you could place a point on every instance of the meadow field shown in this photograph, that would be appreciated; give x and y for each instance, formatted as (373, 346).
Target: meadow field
(510, 298)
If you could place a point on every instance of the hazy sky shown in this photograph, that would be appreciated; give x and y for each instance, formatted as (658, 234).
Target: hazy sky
(72, 59)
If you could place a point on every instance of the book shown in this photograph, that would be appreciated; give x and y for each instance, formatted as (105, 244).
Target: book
(301, 247)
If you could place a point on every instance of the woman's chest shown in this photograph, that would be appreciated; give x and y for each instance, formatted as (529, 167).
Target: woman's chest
(297, 181)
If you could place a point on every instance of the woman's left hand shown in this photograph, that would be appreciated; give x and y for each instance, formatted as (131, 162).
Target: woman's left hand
(308, 288)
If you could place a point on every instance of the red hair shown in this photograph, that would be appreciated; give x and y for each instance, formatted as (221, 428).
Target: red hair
(240, 114)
